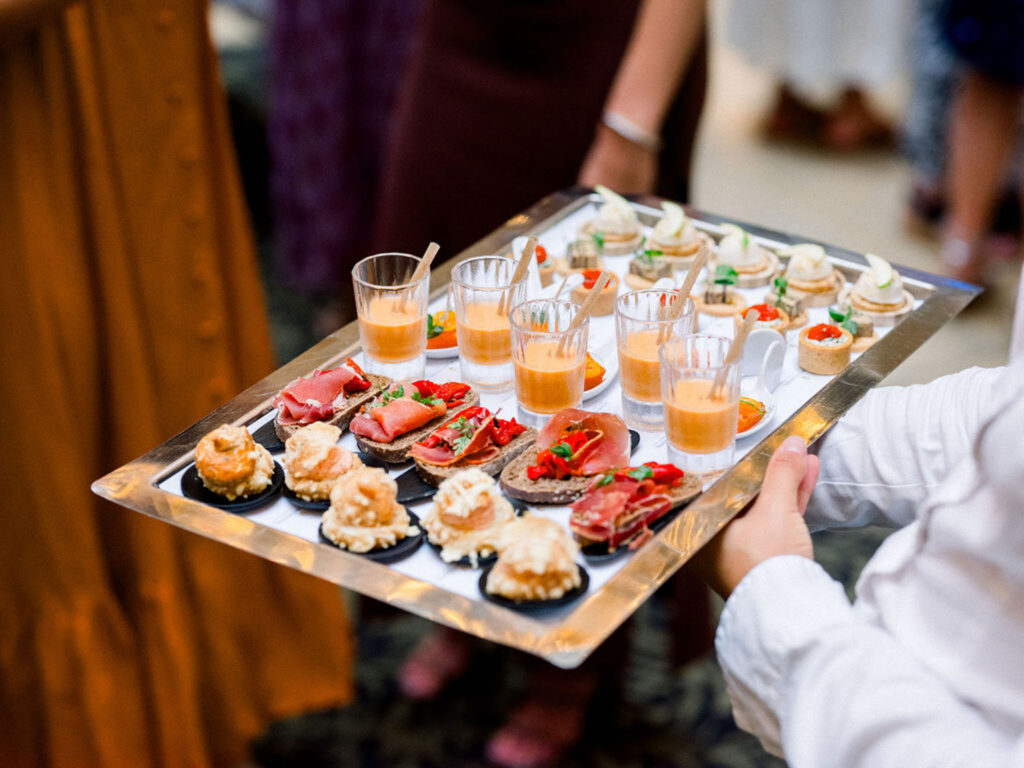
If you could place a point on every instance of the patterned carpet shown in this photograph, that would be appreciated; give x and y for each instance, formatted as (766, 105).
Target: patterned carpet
(657, 717)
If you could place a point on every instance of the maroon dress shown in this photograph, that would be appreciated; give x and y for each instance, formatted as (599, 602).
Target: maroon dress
(498, 109)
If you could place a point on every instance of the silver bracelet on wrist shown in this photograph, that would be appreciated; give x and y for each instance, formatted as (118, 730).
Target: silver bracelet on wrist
(630, 131)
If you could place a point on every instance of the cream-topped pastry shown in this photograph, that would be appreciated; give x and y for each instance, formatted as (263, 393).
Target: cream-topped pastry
(738, 249)
(615, 216)
(616, 228)
(880, 286)
(467, 516)
(808, 263)
(536, 561)
(364, 512)
(313, 461)
(674, 234)
(231, 464)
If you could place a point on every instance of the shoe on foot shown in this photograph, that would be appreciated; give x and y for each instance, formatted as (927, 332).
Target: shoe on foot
(438, 658)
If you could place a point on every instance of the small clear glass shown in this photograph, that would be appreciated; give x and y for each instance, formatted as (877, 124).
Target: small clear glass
(392, 313)
(549, 360)
(701, 395)
(641, 327)
(484, 295)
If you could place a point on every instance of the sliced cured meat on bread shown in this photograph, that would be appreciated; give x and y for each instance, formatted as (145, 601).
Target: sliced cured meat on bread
(606, 444)
(397, 451)
(435, 474)
(296, 412)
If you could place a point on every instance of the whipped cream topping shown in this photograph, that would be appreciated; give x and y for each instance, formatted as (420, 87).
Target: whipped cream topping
(467, 516)
(807, 262)
(867, 288)
(364, 513)
(738, 249)
(675, 227)
(616, 215)
(537, 561)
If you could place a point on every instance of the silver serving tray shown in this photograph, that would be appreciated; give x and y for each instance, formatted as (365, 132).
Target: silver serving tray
(568, 641)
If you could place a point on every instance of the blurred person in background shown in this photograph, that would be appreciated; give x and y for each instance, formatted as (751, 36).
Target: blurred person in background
(824, 51)
(925, 137)
(335, 68)
(987, 37)
(132, 307)
(504, 103)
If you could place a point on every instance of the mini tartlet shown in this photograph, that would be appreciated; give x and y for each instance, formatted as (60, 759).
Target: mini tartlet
(860, 324)
(824, 349)
(231, 464)
(676, 236)
(605, 302)
(719, 300)
(364, 514)
(580, 255)
(810, 276)
(536, 562)
(780, 297)
(769, 317)
(645, 269)
(616, 228)
(313, 461)
(879, 293)
(467, 517)
(754, 264)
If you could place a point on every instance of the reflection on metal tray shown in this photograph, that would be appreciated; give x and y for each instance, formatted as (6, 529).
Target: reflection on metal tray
(568, 635)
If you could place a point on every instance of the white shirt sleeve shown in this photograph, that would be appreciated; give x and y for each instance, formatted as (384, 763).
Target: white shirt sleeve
(881, 460)
(815, 683)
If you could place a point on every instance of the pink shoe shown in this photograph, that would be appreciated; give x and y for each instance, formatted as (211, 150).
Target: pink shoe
(439, 658)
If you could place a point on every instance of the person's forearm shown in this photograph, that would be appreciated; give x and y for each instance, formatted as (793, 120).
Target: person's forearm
(656, 58)
(820, 687)
(881, 460)
(20, 16)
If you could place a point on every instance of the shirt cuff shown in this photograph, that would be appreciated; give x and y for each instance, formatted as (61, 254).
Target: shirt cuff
(781, 606)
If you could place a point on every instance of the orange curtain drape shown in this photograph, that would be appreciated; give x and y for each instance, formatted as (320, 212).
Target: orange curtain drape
(131, 307)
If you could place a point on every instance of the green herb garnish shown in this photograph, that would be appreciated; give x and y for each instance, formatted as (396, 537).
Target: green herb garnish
(564, 450)
(844, 319)
(641, 473)
(433, 329)
(725, 275)
(393, 394)
(604, 481)
(781, 284)
(746, 238)
(428, 400)
(599, 239)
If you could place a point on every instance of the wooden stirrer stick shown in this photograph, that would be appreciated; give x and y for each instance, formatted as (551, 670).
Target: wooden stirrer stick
(734, 352)
(585, 309)
(675, 311)
(520, 273)
(562, 286)
(421, 270)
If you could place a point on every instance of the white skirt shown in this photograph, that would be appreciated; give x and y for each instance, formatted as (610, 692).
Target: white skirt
(823, 44)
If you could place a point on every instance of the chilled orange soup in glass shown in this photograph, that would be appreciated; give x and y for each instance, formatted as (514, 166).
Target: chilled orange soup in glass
(701, 394)
(549, 358)
(642, 325)
(484, 294)
(392, 312)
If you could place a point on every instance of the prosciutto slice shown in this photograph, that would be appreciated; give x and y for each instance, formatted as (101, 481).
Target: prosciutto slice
(607, 448)
(317, 398)
(386, 422)
(475, 430)
(616, 512)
